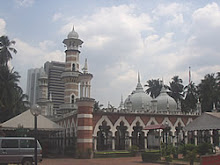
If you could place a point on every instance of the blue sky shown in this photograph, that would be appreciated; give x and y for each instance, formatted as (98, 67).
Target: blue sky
(160, 39)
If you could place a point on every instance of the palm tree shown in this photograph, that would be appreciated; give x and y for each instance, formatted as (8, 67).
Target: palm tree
(191, 97)
(97, 106)
(6, 49)
(154, 87)
(176, 88)
(208, 92)
(12, 99)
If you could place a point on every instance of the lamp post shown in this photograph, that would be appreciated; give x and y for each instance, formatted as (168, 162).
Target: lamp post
(35, 110)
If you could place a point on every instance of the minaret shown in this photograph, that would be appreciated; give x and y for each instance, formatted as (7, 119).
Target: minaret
(85, 81)
(71, 74)
(85, 114)
(43, 94)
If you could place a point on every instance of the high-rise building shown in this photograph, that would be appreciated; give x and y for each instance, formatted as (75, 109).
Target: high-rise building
(32, 89)
(55, 84)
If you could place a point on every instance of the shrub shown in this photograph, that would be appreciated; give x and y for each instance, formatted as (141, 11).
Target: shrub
(168, 158)
(150, 156)
(134, 150)
(204, 148)
(187, 147)
(191, 156)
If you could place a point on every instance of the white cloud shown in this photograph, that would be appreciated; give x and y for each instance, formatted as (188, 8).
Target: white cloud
(119, 42)
(29, 56)
(24, 3)
(155, 44)
(47, 44)
(172, 14)
(208, 16)
(168, 9)
(2, 27)
(57, 16)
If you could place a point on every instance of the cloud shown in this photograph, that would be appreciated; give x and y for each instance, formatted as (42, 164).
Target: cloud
(202, 46)
(24, 3)
(119, 42)
(2, 27)
(57, 16)
(29, 56)
(47, 44)
(171, 14)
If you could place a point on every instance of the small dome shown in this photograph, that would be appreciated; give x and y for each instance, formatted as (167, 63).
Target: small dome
(42, 73)
(165, 102)
(138, 98)
(73, 34)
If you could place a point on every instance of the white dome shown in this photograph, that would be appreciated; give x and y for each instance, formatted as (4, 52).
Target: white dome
(138, 99)
(73, 34)
(165, 102)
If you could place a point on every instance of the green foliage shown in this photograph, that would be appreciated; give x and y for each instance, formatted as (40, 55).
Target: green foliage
(154, 87)
(189, 152)
(150, 156)
(167, 150)
(187, 147)
(191, 156)
(134, 150)
(209, 91)
(12, 99)
(176, 88)
(168, 158)
(191, 96)
(204, 148)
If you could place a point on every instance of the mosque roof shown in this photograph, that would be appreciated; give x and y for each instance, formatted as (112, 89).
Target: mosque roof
(165, 102)
(138, 98)
(73, 34)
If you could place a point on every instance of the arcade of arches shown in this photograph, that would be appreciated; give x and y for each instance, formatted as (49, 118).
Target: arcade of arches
(120, 132)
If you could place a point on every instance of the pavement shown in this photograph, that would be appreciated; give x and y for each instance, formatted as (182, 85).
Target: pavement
(99, 161)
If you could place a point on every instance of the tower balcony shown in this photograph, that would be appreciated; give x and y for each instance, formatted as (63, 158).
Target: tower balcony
(69, 74)
(68, 106)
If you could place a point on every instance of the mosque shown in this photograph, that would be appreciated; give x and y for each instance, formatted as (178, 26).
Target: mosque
(139, 120)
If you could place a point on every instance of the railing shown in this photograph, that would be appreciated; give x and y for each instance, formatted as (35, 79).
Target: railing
(69, 74)
(115, 110)
(68, 106)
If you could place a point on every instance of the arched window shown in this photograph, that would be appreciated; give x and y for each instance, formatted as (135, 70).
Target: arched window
(72, 99)
(73, 67)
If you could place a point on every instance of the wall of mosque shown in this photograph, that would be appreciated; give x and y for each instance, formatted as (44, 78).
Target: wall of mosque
(119, 131)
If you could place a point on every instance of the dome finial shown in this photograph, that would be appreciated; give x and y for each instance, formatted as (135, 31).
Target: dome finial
(73, 34)
(138, 77)
(85, 68)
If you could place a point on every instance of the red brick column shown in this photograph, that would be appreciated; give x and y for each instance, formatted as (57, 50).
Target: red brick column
(84, 126)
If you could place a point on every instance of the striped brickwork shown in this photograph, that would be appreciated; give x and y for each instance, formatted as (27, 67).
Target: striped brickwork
(84, 124)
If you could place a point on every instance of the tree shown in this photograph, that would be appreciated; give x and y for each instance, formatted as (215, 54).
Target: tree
(176, 88)
(12, 99)
(5, 50)
(208, 92)
(97, 106)
(191, 97)
(154, 87)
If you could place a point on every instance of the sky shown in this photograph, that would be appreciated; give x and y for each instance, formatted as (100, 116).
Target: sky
(159, 39)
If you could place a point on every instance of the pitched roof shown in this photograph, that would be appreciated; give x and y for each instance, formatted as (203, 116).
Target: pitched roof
(26, 120)
(207, 121)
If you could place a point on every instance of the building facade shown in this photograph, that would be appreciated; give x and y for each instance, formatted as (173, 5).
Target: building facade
(110, 128)
(32, 88)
